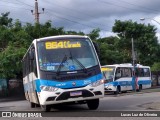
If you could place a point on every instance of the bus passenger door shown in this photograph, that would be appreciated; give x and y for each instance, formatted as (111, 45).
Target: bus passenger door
(33, 75)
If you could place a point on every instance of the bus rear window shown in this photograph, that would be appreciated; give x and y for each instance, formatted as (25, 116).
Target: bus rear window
(143, 72)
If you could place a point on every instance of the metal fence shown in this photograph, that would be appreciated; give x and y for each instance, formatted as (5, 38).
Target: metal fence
(11, 88)
(3, 88)
(155, 78)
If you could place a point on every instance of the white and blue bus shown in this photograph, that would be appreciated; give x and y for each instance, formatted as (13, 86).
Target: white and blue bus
(119, 77)
(62, 69)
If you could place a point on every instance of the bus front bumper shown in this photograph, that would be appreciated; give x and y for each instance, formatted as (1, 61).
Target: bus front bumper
(71, 95)
(110, 88)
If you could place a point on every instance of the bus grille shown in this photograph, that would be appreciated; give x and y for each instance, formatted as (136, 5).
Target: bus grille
(71, 77)
(66, 95)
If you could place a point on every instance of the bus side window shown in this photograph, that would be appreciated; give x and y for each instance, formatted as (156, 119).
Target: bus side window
(141, 73)
(24, 68)
(146, 72)
(28, 64)
(31, 58)
(32, 61)
(127, 72)
(136, 72)
(35, 66)
(118, 74)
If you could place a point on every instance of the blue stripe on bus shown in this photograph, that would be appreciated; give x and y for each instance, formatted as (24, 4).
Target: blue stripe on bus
(62, 85)
(128, 83)
(144, 82)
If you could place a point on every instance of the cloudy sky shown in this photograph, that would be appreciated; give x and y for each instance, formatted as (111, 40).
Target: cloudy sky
(85, 15)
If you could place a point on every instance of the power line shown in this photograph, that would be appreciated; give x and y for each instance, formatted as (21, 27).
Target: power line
(36, 9)
(73, 10)
(81, 19)
(10, 2)
(139, 6)
(15, 7)
(76, 11)
(109, 3)
(12, 5)
(51, 13)
(70, 20)
(25, 3)
(63, 18)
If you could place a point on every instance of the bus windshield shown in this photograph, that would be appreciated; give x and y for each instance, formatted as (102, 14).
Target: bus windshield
(108, 73)
(66, 55)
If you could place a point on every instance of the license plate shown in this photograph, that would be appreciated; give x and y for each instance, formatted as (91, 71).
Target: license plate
(77, 93)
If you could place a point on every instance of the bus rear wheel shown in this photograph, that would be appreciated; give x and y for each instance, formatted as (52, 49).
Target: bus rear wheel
(46, 108)
(93, 104)
(140, 88)
(118, 90)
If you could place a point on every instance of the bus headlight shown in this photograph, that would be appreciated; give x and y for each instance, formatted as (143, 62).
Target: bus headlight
(48, 88)
(97, 83)
(108, 85)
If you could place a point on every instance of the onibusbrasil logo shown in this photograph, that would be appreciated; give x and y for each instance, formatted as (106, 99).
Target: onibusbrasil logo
(21, 114)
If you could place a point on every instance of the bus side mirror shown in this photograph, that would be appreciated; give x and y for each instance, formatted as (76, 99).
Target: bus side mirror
(111, 77)
(31, 54)
(97, 48)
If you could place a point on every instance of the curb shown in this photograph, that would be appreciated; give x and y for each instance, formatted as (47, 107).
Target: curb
(11, 99)
(149, 90)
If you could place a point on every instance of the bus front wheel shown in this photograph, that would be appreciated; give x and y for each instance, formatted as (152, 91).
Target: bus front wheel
(33, 105)
(46, 108)
(93, 104)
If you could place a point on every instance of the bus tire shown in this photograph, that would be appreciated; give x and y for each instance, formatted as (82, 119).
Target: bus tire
(37, 105)
(46, 108)
(124, 91)
(33, 105)
(140, 88)
(93, 104)
(118, 90)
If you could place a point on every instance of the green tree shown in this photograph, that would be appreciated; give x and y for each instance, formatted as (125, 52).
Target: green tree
(145, 41)
(5, 33)
(109, 54)
(10, 65)
(94, 34)
(5, 20)
(74, 33)
(15, 40)
(155, 66)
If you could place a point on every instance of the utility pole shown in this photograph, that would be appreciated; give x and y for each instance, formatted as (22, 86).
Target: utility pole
(134, 66)
(36, 13)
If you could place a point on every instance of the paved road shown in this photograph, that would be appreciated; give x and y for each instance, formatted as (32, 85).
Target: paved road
(125, 101)
(122, 102)
(129, 101)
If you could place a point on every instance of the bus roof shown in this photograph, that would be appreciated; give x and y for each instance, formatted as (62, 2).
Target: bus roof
(60, 37)
(125, 65)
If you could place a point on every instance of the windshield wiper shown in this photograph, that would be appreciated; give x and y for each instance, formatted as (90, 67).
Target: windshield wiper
(75, 59)
(60, 66)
